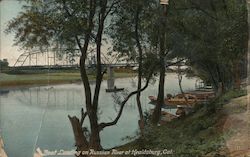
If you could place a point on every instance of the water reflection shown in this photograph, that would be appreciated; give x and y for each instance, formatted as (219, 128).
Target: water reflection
(37, 117)
(54, 98)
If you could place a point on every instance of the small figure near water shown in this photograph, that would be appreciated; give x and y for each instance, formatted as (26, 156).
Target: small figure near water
(38, 153)
(2, 152)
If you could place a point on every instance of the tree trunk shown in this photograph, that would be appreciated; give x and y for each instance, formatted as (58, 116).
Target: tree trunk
(80, 139)
(95, 141)
(160, 98)
(221, 81)
(236, 74)
(179, 82)
(138, 96)
(141, 121)
(212, 77)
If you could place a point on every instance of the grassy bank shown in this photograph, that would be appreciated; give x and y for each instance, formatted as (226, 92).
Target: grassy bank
(199, 134)
(15, 80)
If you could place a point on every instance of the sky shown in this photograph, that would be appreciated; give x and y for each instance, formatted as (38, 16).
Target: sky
(8, 10)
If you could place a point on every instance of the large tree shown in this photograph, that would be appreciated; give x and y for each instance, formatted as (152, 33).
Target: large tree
(129, 34)
(213, 36)
(139, 30)
(78, 23)
(72, 24)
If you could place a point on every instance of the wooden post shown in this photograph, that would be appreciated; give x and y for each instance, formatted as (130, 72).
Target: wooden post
(111, 80)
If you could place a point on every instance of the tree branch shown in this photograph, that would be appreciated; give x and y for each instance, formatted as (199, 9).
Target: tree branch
(99, 75)
(84, 115)
(111, 7)
(78, 43)
(171, 64)
(104, 125)
(66, 9)
(196, 6)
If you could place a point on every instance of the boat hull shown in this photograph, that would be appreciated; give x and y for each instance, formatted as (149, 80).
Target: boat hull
(114, 90)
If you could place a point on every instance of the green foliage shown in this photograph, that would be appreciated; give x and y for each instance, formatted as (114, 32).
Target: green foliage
(130, 28)
(232, 94)
(47, 24)
(4, 64)
(130, 15)
(212, 35)
(195, 135)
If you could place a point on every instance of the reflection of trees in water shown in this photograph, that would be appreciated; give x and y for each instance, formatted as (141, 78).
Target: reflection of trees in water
(50, 98)
(118, 98)
(133, 82)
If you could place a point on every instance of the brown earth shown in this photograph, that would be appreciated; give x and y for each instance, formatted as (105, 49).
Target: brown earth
(237, 125)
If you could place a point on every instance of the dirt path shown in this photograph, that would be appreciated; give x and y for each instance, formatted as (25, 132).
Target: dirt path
(238, 124)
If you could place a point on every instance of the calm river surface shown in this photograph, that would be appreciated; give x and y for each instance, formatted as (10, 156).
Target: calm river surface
(37, 117)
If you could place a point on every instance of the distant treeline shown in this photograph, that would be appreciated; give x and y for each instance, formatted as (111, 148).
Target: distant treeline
(4, 64)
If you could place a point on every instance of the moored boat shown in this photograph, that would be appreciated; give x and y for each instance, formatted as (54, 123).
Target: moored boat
(4, 91)
(177, 100)
(189, 99)
(203, 96)
(182, 99)
(153, 101)
(114, 90)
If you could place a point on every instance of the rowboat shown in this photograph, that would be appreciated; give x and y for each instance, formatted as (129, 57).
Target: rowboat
(182, 99)
(203, 95)
(114, 90)
(177, 100)
(3, 91)
(187, 99)
(153, 101)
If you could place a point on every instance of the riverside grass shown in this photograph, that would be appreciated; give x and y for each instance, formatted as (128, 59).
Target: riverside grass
(198, 134)
(17, 80)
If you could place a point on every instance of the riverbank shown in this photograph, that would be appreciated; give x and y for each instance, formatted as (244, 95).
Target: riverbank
(8, 81)
(203, 133)
(237, 122)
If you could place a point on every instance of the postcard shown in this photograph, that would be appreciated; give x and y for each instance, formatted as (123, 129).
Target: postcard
(124, 78)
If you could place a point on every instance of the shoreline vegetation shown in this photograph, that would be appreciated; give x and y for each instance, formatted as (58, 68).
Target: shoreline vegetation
(213, 123)
(10, 79)
(153, 35)
(210, 131)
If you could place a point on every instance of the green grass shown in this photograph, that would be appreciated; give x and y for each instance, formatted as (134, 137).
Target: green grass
(192, 136)
(7, 80)
(198, 134)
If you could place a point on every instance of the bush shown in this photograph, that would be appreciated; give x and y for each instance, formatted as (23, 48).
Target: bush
(4, 64)
(232, 94)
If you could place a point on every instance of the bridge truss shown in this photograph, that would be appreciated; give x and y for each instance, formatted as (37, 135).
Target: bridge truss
(54, 58)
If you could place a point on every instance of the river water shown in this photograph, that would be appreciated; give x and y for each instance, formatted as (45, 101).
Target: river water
(37, 116)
